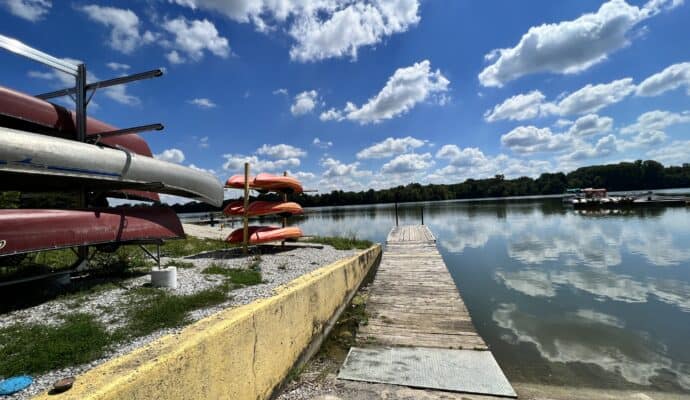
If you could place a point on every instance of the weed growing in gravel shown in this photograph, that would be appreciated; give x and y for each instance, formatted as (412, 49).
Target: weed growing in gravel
(32, 349)
(180, 264)
(238, 276)
(154, 309)
(192, 245)
(341, 243)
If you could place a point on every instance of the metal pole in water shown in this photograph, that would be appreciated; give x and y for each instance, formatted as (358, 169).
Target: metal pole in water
(422, 211)
(396, 213)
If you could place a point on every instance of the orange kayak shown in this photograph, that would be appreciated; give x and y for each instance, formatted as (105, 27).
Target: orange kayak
(269, 182)
(237, 182)
(276, 183)
(258, 208)
(263, 234)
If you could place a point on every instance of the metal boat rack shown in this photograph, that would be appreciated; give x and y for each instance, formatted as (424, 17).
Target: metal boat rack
(82, 93)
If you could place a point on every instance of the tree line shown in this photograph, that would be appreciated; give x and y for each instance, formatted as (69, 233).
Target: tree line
(638, 175)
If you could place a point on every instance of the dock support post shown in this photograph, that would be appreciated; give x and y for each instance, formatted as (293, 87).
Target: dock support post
(421, 209)
(245, 215)
(396, 213)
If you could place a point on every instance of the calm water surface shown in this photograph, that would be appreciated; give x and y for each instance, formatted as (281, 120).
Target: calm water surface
(560, 297)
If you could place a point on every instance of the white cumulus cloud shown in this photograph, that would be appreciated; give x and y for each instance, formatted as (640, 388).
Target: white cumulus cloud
(591, 124)
(336, 168)
(408, 163)
(304, 102)
(321, 29)
(586, 100)
(202, 102)
(467, 157)
(656, 120)
(115, 66)
(673, 77)
(571, 46)
(390, 147)
(517, 108)
(322, 144)
(530, 140)
(281, 151)
(124, 24)
(171, 155)
(234, 163)
(193, 38)
(406, 88)
(30, 10)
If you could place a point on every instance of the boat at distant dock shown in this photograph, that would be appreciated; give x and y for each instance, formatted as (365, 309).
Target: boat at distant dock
(599, 198)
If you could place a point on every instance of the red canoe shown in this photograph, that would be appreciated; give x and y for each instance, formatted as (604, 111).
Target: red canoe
(27, 113)
(263, 234)
(258, 208)
(269, 182)
(24, 231)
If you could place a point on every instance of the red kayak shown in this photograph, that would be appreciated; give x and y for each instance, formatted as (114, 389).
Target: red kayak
(267, 182)
(25, 231)
(263, 234)
(27, 113)
(258, 208)
(232, 207)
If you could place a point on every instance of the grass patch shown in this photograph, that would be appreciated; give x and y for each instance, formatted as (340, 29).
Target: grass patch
(238, 276)
(33, 349)
(154, 309)
(341, 243)
(192, 245)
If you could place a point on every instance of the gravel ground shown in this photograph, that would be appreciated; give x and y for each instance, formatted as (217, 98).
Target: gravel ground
(277, 267)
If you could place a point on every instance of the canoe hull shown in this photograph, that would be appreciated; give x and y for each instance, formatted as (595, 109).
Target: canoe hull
(23, 112)
(24, 231)
(33, 162)
(264, 234)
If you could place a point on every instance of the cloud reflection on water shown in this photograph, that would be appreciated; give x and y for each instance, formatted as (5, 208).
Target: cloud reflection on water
(584, 337)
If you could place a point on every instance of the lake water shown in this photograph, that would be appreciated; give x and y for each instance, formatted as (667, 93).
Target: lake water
(561, 297)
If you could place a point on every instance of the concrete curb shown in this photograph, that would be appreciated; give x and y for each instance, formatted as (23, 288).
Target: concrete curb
(238, 353)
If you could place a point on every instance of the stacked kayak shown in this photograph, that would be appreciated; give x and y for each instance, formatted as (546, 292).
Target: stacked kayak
(265, 183)
(263, 234)
(25, 231)
(261, 208)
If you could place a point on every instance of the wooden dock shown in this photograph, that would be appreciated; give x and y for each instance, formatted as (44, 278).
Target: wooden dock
(413, 300)
(414, 305)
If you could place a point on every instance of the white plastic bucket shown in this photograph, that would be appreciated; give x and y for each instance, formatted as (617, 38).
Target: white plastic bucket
(166, 277)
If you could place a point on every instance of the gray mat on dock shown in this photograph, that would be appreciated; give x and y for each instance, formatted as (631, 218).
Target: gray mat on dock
(467, 371)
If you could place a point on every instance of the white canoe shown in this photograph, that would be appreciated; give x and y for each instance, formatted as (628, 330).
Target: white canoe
(39, 163)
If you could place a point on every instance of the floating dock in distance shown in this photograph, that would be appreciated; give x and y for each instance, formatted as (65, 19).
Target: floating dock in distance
(420, 333)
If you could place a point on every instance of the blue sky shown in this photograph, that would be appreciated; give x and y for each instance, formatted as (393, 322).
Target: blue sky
(352, 94)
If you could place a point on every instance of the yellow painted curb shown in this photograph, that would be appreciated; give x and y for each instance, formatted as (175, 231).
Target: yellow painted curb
(238, 353)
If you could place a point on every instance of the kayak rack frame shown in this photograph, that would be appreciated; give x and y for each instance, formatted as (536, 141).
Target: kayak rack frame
(81, 96)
